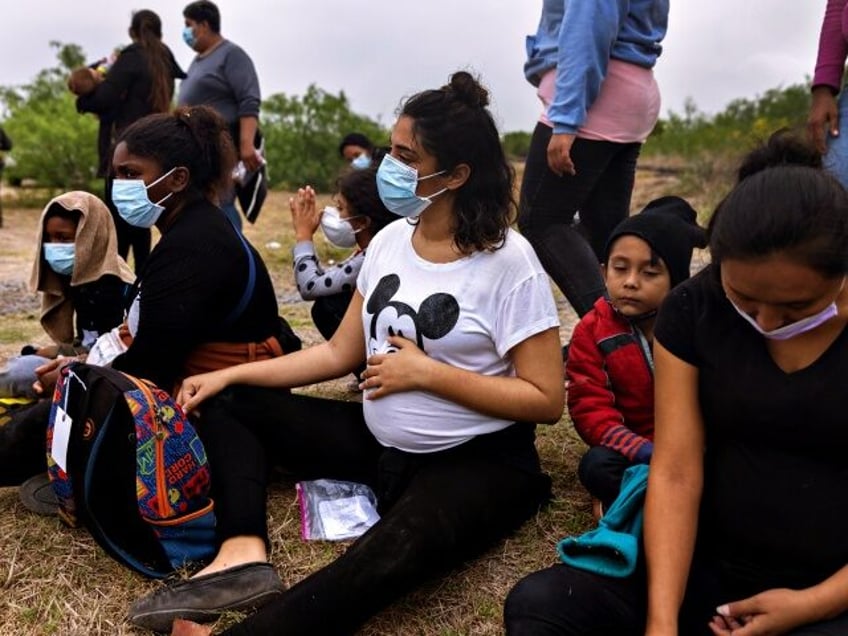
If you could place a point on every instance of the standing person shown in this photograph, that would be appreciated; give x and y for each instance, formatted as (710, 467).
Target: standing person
(610, 367)
(223, 77)
(5, 146)
(826, 111)
(455, 316)
(744, 531)
(360, 151)
(140, 82)
(591, 61)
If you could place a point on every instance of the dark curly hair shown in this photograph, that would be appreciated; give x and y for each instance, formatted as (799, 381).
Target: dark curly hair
(194, 137)
(453, 124)
(359, 187)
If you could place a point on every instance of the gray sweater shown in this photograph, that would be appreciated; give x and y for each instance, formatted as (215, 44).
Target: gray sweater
(226, 80)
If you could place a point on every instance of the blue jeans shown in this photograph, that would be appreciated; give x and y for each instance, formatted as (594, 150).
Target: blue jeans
(836, 158)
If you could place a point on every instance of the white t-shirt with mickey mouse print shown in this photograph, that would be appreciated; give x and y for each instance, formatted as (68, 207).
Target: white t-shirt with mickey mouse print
(467, 313)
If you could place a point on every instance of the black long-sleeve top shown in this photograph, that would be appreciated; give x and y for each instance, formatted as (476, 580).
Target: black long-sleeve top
(123, 96)
(192, 281)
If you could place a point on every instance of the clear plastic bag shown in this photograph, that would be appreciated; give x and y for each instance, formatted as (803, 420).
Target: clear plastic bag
(335, 510)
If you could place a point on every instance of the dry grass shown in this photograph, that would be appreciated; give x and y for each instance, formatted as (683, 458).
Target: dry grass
(57, 581)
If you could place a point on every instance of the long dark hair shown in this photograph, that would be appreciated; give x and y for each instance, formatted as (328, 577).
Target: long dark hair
(453, 124)
(194, 137)
(146, 27)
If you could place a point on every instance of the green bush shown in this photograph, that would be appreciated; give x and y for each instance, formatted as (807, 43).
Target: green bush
(516, 144)
(743, 123)
(54, 145)
(303, 134)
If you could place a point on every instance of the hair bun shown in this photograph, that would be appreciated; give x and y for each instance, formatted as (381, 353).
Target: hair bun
(468, 90)
(782, 148)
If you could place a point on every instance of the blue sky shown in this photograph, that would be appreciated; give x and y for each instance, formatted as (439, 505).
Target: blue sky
(378, 51)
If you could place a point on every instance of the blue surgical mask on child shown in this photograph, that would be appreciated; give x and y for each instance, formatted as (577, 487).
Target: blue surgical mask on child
(396, 185)
(795, 328)
(60, 257)
(361, 162)
(188, 36)
(133, 204)
(338, 231)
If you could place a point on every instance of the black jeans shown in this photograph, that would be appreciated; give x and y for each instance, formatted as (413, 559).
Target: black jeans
(23, 443)
(600, 192)
(601, 471)
(564, 601)
(437, 509)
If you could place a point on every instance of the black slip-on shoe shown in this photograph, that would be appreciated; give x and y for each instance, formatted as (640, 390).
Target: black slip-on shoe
(37, 495)
(204, 598)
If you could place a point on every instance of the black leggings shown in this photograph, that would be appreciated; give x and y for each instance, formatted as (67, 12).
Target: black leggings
(600, 192)
(437, 509)
(564, 601)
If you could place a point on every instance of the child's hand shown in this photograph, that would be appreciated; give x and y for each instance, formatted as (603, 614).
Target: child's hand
(305, 216)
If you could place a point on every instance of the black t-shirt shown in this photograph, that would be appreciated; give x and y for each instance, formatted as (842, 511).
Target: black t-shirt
(190, 284)
(99, 305)
(776, 465)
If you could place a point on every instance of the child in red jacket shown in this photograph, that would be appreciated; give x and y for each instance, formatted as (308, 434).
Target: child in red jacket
(609, 369)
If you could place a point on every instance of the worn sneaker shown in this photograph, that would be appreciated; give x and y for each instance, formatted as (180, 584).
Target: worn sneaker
(204, 598)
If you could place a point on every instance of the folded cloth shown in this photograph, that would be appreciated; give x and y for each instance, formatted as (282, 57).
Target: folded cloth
(612, 549)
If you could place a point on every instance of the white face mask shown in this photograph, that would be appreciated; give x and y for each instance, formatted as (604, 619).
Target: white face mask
(338, 231)
(799, 326)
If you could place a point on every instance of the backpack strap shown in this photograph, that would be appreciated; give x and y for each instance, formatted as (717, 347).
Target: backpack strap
(238, 310)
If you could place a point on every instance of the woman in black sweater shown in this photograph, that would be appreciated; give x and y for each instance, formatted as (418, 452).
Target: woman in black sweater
(140, 82)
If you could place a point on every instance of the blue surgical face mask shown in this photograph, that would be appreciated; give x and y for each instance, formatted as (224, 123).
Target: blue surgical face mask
(795, 328)
(361, 162)
(188, 36)
(60, 257)
(133, 204)
(397, 184)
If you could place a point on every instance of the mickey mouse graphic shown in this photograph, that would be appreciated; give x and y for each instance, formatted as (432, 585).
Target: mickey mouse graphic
(436, 316)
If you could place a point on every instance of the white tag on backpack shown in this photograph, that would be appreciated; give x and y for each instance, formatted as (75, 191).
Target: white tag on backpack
(61, 436)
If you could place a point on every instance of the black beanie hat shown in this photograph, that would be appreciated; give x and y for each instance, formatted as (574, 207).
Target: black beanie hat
(669, 225)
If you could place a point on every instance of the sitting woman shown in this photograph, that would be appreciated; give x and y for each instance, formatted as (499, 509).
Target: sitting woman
(82, 281)
(204, 300)
(456, 318)
(744, 528)
(356, 218)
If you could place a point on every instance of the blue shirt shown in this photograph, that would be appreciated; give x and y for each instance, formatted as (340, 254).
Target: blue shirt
(578, 38)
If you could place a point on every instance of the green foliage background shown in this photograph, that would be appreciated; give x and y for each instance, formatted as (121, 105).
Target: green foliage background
(53, 144)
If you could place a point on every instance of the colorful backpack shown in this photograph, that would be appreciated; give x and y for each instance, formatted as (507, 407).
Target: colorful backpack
(125, 462)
